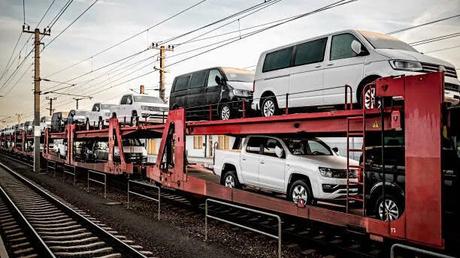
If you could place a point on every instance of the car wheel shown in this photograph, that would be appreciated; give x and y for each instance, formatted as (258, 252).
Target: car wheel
(230, 180)
(300, 193)
(370, 101)
(269, 107)
(225, 112)
(388, 209)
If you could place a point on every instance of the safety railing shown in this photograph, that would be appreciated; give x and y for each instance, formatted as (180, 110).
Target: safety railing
(243, 105)
(157, 200)
(70, 171)
(415, 250)
(278, 218)
(100, 182)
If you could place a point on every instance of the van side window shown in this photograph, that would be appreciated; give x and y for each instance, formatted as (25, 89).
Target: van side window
(198, 79)
(277, 60)
(212, 77)
(255, 145)
(310, 52)
(341, 46)
(181, 83)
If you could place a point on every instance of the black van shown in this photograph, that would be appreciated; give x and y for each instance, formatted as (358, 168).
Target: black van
(218, 91)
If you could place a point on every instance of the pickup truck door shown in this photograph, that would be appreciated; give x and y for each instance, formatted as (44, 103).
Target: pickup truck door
(250, 161)
(272, 167)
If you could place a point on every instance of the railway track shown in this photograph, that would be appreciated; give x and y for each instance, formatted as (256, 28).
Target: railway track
(47, 227)
(310, 239)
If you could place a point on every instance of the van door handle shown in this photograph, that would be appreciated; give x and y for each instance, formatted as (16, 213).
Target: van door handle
(243, 159)
(262, 162)
(318, 66)
(330, 64)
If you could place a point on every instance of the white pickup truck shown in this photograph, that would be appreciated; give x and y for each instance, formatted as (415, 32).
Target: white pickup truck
(305, 169)
(142, 107)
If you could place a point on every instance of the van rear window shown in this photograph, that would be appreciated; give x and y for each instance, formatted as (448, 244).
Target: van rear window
(181, 83)
(277, 60)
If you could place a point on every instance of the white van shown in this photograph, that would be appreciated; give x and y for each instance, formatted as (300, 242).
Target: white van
(313, 72)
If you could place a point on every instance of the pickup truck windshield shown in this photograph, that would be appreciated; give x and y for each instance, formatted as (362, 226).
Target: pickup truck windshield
(382, 41)
(148, 99)
(307, 147)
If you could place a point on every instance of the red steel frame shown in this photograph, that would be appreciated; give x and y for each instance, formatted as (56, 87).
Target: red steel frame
(423, 97)
(114, 135)
(420, 223)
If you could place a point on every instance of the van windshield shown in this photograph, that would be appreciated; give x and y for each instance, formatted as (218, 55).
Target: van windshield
(310, 146)
(239, 75)
(383, 41)
(148, 99)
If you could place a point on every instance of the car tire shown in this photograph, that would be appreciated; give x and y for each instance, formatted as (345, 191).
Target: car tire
(225, 112)
(368, 99)
(230, 180)
(388, 209)
(269, 107)
(300, 193)
(134, 118)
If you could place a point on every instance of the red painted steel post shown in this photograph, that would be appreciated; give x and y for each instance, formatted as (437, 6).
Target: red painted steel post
(244, 108)
(287, 104)
(210, 112)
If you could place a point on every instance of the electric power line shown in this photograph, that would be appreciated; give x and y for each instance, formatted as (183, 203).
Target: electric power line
(434, 39)
(424, 24)
(126, 39)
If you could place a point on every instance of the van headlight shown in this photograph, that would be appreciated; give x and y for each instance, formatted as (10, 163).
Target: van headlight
(406, 65)
(241, 93)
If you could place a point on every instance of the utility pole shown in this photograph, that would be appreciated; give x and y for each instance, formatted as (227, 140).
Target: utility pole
(77, 100)
(37, 132)
(162, 71)
(51, 99)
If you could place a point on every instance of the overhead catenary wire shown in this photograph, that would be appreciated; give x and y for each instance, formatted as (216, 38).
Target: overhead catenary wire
(69, 25)
(435, 39)
(126, 39)
(424, 24)
(215, 22)
(232, 40)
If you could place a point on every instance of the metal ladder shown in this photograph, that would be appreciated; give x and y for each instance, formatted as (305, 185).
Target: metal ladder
(360, 196)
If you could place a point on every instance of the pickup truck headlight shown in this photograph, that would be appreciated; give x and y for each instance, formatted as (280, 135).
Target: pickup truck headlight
(337, 173)
(241, 93)
(405, 65)
(144, 107)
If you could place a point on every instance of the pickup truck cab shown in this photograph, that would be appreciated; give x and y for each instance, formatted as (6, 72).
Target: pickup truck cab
(305, 169)
(100, 113)
(140, 106)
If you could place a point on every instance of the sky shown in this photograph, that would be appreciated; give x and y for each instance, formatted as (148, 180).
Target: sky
(111, 21)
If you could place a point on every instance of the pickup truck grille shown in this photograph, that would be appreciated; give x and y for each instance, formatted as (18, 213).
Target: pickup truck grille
(152, 108)
(452, 87)
(429, 68)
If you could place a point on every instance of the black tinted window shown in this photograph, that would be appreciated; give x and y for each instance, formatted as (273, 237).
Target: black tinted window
(341, 46)
(198, 79)
(277, 60)
(310, 52)
(124, 99)
(255, 144)
(181, 83)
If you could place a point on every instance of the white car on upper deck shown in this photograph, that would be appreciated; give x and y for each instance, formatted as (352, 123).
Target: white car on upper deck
(305, 169)
(142, 106)
(314, 72)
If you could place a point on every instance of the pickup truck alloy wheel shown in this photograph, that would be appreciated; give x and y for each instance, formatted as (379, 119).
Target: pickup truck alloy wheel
(225, 112)
(230, 180)
(269, 107)
(300, 193)
(388, 209)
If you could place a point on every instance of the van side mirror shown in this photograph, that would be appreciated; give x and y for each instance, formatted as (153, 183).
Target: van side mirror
(357, 48)
(218, 80)
(336, 150)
